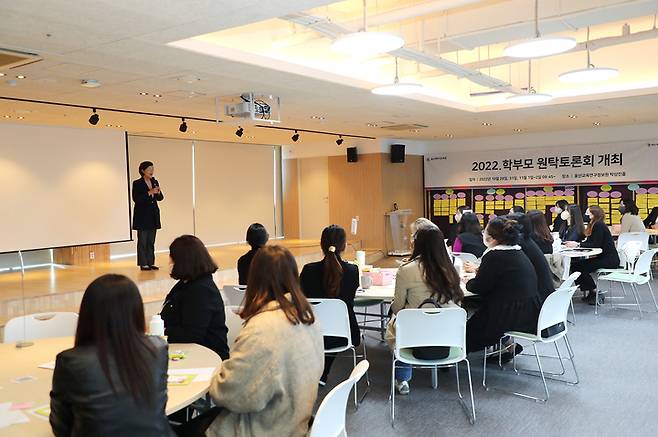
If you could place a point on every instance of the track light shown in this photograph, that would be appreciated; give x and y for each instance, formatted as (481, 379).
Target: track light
(183, 126)
(240, 131)
(339, 141)
(93, 120)
(295, 136)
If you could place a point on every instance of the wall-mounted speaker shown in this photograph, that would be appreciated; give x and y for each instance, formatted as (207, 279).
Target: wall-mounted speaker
(397, 153)
(352, 155)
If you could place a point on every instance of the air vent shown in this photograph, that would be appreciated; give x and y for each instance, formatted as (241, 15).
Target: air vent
(401, 127)
(12, 59)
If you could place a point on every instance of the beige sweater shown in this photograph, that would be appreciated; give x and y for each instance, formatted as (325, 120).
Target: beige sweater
(631, 223)
(270, 383)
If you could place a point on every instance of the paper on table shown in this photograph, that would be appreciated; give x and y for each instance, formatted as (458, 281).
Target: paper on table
(42, 412)
(50, 365)
(203, 374)
(9, 417)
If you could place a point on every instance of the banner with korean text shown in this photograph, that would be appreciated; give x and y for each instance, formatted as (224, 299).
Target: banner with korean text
(572, 165)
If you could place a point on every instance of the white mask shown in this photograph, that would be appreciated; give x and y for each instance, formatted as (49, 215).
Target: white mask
(588, 214)
(458, 217)
(487, 241)
(564, 215)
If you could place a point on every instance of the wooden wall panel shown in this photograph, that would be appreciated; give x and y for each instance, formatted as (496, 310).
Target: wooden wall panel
(403, 184)
(80, 255)
(291, 198)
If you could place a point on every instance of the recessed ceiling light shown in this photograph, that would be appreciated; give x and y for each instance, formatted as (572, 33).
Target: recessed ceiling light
(597, 123)
(518, 130)
(415, 130)
(317, 117)
(142, 93)
(450, 136)
(7, 116)
(20, 117)
(118, 125)
(20, 76)
(2, 74)
(487, 123)
(108, 125)
(367, 43)
(589, 74)
(157, 95)
(573, 116)
(372, 125)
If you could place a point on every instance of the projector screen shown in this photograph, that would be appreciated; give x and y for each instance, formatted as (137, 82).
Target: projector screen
(62, 187)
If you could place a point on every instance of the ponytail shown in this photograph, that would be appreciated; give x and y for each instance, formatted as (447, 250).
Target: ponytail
(333, 244)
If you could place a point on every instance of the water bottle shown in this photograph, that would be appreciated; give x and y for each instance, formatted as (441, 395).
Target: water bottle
(156, 326)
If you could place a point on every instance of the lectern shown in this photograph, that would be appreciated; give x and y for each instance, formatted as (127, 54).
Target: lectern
(398, 232)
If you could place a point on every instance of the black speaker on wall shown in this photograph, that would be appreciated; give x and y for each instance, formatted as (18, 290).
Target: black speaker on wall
(397, 153)
(352, 155)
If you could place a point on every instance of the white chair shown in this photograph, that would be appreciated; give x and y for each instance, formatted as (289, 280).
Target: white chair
(330, 419)
(233, 295)
(639, 276)
(641, 237)
(466, 257)
(233, 323)
(421, 327)
(568, 283)
(41, 325)
(553, 311)
(335, 322)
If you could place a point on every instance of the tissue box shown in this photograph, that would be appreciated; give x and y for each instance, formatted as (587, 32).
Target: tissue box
(381, 277)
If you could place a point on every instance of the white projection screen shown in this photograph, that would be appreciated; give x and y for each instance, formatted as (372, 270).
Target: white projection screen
(62, 187)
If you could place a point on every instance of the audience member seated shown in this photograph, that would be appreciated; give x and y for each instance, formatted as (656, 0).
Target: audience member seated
(575, 228)
(652, 219)
(257, 237)
(269, 385)
(559, 222)
(541, 234)
(193, 311)
(630, 220)
(333, 278)
(421, 222)
(452, 230)
(507, 284)
(598, 236)
(469, 236)
(428, 275)
(535, 255)
(517, 209)
(114, 380)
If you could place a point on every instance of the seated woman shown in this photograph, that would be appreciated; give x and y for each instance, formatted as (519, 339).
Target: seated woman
(257, 237)
(193, 311)
(574, 230)
(541, 234)
(559, 222)
(517, 209)
(469, 236)
(428, 275)
(652, 219)
(270, 383)
(507, 284)
(333, 278)
(114, 380)
(452, 230)
(630, 220)
(598, 236)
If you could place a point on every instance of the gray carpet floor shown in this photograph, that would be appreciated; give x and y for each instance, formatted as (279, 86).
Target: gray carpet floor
(616, 355)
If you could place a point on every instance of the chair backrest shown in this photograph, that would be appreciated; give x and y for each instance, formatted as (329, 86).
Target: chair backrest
(466, 257)
(41, 325)
(554, 310)
(629, 253)
(233, 295)
(233, 322)
(643, 264)
(330, 418)
(642, 237)
(418, 327)
(568, 283)
(333, 317)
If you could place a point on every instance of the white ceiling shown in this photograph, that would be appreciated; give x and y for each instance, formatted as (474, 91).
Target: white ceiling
(123, 45)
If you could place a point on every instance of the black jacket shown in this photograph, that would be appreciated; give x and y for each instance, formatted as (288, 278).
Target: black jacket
(546, 247)
(312, 286)
(472, 243)
(602, 238)
(146, 215)
(243, 266)
(542, 269)
(571, 234)
(193, 312)
(558, 224)
(83, 404)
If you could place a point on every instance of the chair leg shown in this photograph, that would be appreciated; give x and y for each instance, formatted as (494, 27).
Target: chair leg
(573, 363)
(392, 396)
(559, 357)
(382, 316)
(356, 396)
(637, 298)
(365, 357)
(435, 378)
(541, 371)
(573, 314)
(653, 297)
(470, 387)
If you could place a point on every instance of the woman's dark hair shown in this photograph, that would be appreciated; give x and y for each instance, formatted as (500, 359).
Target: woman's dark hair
(332, 237)
(539, 226)
(524, 225)
(517, 209)
(438, 271)
(190, 258)
(576, 219)
(504, 231)
(630, 206)
(651, 218)
(463, 208)
(143, 166)
(562, 204)
(273, 274)
(598, 215)
(469, 224)
(112, 320)
(257, 235)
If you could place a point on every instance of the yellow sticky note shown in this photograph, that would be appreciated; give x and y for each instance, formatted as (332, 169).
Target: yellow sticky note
(519, 202)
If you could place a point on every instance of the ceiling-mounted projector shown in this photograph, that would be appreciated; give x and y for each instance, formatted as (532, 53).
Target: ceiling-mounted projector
(254, 106)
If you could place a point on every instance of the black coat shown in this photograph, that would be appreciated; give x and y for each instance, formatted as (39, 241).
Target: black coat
(472, 243)
(558, 224)
(243, 266)
(542, 269)
(82, 402)
(571, 234)
(602, 238)
(146, 215)
(507, 284)
(193, 312)
(312, 286)
(546, 247)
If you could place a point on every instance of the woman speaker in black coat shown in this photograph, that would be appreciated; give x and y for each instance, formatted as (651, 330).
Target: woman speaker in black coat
(146, 194)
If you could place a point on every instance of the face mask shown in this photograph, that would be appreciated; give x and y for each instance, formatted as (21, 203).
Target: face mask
(487, 241)
(622, 209)
(458, 217)
(564, 215)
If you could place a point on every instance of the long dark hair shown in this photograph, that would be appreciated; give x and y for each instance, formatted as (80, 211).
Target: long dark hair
(523, 225)
(539, 226)
(598, 215)
(332, 243)
(630, 206)
(469, 224)
(112, 320)
(438, 271)
(576, 219)
(273, 273)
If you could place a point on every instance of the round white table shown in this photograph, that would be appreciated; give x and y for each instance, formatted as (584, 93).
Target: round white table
(567, 254)
(17, 363)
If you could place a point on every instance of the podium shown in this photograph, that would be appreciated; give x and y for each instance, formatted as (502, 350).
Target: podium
(398, 241)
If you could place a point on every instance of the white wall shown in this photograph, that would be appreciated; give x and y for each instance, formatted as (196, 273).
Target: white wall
(313, 196)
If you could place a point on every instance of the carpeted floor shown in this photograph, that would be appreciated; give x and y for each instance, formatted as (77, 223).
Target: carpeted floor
(616, 355)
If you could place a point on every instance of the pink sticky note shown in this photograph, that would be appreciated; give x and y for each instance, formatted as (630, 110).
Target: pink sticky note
(21, 406)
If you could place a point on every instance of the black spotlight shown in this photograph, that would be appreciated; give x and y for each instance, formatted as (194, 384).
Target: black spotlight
(295, 136)
(183, 126)
(240, 131)
(339, 141)
(94, 118)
